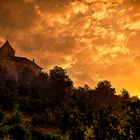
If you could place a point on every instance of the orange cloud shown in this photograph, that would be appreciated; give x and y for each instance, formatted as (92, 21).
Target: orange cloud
(92, 39)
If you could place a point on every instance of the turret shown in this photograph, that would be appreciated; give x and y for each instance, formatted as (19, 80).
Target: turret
(6, 50)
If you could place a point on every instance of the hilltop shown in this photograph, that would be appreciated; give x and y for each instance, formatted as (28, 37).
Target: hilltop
(46, 106)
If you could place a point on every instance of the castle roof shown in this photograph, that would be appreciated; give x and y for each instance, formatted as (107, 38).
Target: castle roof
(22, 60)
(25, 60)
(8, 53)
(7, 46)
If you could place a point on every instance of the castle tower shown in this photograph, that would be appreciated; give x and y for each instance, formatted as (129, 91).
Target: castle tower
(6, 50)
(15, 65)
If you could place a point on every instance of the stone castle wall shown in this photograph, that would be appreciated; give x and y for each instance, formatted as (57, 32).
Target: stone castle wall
(16, 66)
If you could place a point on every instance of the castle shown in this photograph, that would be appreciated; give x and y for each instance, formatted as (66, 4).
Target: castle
(16, 65)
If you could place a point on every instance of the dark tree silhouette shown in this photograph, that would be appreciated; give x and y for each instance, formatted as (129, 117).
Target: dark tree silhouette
(55, 110)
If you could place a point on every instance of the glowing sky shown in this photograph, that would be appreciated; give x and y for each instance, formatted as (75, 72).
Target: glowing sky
(92, 39)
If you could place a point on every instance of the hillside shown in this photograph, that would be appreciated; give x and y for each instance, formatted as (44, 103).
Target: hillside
(49, 107)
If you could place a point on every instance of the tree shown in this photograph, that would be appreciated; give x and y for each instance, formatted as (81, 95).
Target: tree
(14, 127)
(105, 88)
(60, 84)
(104, 93)
(125, 94)
(19, 132)
(60, 78)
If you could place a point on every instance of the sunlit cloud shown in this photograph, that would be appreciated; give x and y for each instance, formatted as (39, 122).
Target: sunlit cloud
(92, 39)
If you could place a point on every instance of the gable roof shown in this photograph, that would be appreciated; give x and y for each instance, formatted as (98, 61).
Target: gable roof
(7, 45)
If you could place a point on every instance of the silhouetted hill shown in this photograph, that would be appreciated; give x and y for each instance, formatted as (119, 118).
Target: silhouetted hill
(48, 107)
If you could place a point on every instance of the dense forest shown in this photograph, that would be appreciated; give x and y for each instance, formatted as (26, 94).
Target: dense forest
(49, 107)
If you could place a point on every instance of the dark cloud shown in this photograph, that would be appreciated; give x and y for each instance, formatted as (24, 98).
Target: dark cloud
(133, 1)
(52, 5)
(17, 15)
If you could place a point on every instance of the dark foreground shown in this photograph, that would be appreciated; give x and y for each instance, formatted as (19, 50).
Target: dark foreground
(49, 107)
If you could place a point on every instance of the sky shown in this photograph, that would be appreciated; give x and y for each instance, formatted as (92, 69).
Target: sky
(93, 40)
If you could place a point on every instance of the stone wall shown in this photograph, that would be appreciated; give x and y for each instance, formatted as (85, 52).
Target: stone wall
(16, 66)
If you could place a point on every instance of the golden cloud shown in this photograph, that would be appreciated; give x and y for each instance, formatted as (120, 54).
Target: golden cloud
(92, 39)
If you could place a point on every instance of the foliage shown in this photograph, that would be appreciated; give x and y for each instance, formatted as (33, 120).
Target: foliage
(13, 127)
(48, 107)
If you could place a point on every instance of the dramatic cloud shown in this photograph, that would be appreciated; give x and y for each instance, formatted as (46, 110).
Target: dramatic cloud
(17, 16)
(92, 39)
